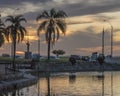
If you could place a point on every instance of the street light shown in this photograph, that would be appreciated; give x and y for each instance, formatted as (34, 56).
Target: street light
(111, 36)
(103, 32)
(39, 45)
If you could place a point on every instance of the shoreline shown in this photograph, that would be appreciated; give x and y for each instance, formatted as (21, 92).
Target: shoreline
(26, 79)
(23, 81)
(78, 67)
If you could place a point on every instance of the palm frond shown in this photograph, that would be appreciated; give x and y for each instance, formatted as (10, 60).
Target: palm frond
(1, 39)
(62, 26)
(10, 19)
(21, 34)
(15, 31)
(45, 14)
(18, 17)
(53, 36)
(22, 19)
(52, 13)
(60, 14)
(42, 27)
(58, 33)
(18, 37)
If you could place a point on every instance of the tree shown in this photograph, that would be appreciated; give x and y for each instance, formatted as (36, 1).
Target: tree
(52, 23)
(58, 52)
(2, 32)
(15, 32)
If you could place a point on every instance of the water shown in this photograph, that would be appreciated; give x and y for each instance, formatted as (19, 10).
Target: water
(74, 84)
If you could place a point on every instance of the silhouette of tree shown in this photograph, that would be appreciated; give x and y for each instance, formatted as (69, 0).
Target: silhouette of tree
(15, 32)
(2, 32)
(52, 23)
(58, 52)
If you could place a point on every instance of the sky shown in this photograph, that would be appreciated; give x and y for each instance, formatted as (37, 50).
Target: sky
(85, 23)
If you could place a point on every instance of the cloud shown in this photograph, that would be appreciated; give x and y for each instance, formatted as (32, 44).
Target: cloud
(73, 8)
(84, 22)
(90, 49)
(20, 52)
(31, 38)
(116, 37)
(98, 49)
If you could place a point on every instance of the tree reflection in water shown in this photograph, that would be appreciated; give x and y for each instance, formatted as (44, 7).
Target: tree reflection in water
(48, 83)
(49, 92)
(72, 78)
(112, 84)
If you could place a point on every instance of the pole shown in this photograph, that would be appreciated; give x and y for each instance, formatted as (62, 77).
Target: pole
(103, 41)
(111, 40)
(111, 49)
(102, 83)
(48, 83)
(39, 46)
(111, 83)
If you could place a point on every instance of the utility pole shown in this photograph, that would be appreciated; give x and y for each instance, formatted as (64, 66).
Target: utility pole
(39, 45)
(111, 40)
(111, 49)
(103, 32)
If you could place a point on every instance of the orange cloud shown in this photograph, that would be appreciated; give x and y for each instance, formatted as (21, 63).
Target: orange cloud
(116, 37)
(31, 38)
(19, 52)
(90, 49)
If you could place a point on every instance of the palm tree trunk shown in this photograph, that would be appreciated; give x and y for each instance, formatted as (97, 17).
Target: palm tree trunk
(49, 43)
(14, 54)
(48, 84)
(11, 49)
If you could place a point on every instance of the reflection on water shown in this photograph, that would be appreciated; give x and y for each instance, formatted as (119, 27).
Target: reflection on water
(72, 78)
(73, 84)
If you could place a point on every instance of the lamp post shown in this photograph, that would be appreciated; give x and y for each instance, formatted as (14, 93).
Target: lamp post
(39, 46)
(103, 32)
(111, 53)
(38, 61)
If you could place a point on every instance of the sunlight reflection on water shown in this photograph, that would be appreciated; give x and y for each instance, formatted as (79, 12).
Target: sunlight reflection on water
(74, 84)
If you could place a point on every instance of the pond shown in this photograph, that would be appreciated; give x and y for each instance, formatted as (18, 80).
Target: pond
(73, 84)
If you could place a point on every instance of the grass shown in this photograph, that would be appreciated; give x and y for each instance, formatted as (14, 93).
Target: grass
(9, 59)
(61, 59)
(26, 61)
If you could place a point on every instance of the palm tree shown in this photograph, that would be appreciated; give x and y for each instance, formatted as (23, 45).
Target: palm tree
(15, 32)
(2, 32)
(53, 23)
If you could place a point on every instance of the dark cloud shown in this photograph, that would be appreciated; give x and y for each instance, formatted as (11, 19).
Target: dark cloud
(80, 39)
(82, 7)
(76, 9)
(13, 2)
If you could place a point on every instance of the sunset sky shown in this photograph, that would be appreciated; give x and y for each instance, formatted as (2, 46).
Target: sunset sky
(85, 23)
